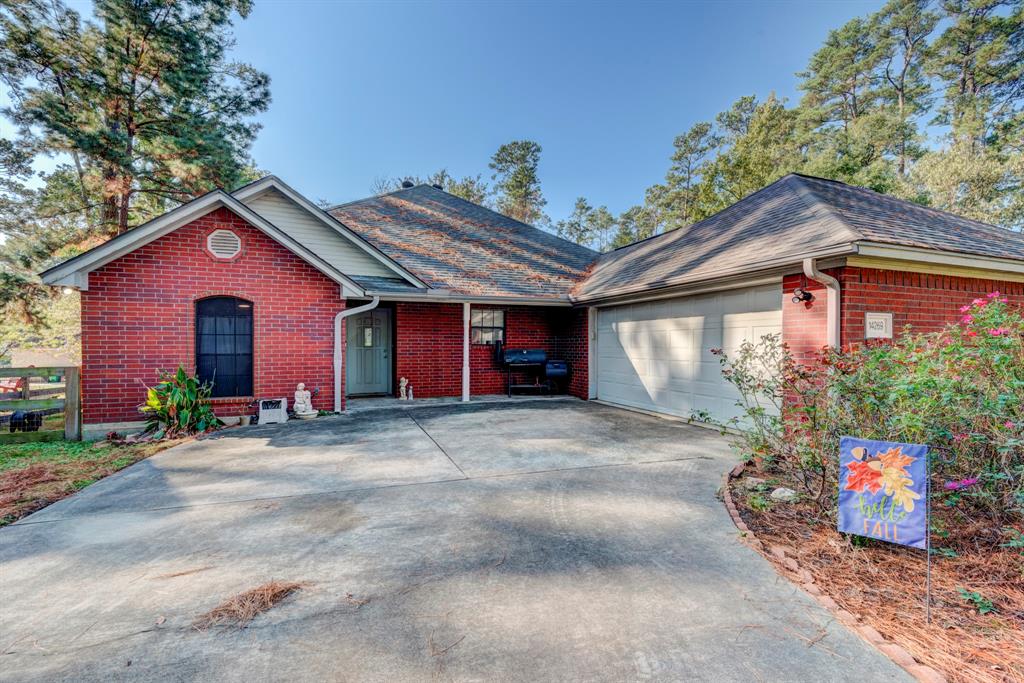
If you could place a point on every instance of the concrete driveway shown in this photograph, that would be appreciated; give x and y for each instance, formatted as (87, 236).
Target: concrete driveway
(547, 540)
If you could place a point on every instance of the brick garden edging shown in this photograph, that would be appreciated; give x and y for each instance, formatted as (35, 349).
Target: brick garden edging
(780, 555)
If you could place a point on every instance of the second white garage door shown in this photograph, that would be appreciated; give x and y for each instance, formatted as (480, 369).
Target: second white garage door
(657, 355)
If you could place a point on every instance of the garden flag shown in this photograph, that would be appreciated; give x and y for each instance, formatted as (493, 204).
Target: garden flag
(883, 490)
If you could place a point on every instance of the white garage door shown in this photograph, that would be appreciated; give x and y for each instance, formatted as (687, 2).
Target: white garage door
(657, 355)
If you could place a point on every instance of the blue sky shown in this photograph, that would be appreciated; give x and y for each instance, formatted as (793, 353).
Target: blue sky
(362, 90)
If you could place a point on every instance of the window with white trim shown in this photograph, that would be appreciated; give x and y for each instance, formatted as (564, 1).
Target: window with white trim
(487, 326)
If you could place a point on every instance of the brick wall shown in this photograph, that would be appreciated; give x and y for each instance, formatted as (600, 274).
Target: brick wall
(804, 325)
(576, 352)
(138, 317)
(925, 302)
(429, 347)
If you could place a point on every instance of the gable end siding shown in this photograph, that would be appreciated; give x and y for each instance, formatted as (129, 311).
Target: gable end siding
(319, 238)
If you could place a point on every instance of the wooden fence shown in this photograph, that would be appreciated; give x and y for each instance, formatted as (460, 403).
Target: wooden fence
(44, 399)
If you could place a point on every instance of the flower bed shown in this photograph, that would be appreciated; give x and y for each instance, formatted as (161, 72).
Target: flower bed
(961, 391)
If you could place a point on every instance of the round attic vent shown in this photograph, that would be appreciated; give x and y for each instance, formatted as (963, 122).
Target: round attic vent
(223, 243)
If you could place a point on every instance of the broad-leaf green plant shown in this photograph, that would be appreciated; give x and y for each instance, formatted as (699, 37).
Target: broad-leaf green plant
(179, 405)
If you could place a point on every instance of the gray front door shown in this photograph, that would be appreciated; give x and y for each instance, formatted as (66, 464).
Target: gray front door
(368, 347)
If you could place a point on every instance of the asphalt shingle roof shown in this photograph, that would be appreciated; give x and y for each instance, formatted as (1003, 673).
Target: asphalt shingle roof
(789, 219)
(881, 218)
(455, 245)
(375, 283)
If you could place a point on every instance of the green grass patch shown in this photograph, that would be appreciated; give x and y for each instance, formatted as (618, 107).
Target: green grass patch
(33, 475)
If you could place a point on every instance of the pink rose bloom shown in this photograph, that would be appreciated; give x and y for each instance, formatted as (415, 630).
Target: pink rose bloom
(979, 302)
(994, 295)
(965, 308)
(960, 437)
(1008, 424)
(968, 319)
(998, 331)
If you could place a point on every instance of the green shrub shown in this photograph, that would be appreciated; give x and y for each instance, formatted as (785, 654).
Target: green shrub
(960, 390)
(178, 405)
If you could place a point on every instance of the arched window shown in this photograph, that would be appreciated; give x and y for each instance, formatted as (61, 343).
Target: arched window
(224, 345)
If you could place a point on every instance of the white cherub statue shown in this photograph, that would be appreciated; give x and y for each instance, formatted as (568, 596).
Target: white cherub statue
(303, 405)
(401, 388)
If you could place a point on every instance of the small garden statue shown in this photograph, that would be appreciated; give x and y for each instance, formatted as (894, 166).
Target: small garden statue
(401, 388)
(303, 405)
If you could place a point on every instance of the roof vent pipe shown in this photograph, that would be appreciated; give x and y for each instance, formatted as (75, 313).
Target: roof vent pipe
(406, 184)
(832, 310)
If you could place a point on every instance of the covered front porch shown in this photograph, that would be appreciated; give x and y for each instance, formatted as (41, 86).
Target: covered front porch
(453, 350)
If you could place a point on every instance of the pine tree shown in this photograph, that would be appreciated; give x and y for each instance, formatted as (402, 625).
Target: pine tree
(635, 223)
(601, 224)
(517, 184)
(840, 80)
(142, 99)
(679, 198)
(578, 226)
(979, 58)
(140, 106)
(902, 28)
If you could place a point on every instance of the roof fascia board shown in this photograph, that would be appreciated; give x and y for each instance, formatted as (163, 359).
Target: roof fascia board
(945, 258)
(273, 182)
(133, 239)
(746, 270)
(75, 272)
(692, 290)
(454, 298)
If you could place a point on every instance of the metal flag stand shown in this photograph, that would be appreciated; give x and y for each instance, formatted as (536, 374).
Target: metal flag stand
(928, 537)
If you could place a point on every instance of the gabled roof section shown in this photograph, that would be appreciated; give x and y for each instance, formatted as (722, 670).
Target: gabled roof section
(74, 272)
(877, 217)
(319, 231)
(780, 221)
(457, 246)
(795, 217)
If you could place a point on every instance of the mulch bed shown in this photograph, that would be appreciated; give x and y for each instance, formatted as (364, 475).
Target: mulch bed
(884, 585)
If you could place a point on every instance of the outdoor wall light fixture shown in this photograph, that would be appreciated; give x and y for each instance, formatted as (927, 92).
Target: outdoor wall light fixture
(801, 296)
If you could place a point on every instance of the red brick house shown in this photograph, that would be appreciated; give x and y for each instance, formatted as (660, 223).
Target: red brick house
(259, 289)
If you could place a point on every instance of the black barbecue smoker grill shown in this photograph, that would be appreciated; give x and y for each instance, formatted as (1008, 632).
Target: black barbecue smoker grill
(547, 374)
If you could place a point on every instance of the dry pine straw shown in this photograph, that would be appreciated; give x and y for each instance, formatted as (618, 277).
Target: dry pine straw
(240, 609)
(25, 488)
(884, 585)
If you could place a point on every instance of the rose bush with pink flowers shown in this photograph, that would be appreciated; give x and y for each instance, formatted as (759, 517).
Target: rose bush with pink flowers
(959, 390)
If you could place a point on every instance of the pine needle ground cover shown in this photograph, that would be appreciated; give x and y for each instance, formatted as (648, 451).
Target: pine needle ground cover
(977, 627)
(960, 391)
(34, 475)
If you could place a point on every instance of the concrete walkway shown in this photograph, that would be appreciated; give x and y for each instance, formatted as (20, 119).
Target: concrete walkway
(515, 542)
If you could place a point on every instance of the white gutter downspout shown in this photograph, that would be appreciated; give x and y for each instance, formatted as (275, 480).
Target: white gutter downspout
(832, 285)
(465, 351)
(339, 345)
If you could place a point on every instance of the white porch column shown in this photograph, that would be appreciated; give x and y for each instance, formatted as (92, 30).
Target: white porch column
(591, 352)
(465, 351)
